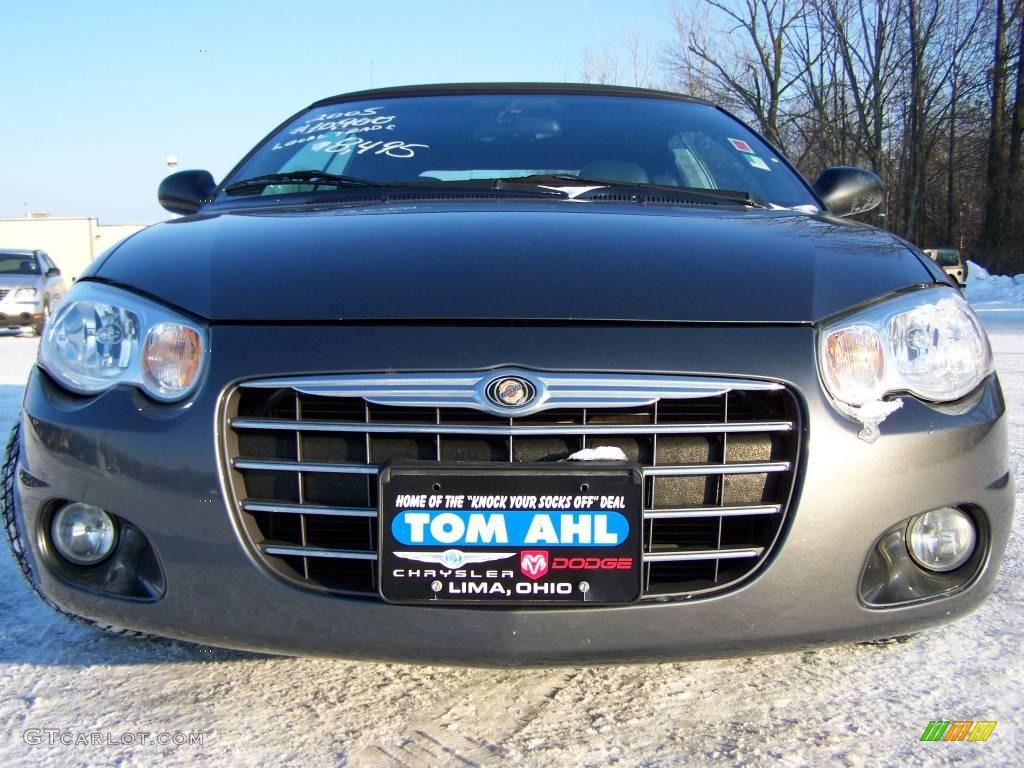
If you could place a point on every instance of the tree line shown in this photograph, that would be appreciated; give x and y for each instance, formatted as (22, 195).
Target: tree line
(929, 94)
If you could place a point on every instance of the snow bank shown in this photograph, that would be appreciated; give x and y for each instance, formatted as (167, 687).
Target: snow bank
(993, 291)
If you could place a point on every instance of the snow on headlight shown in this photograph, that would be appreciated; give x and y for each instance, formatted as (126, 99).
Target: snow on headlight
(928, 344)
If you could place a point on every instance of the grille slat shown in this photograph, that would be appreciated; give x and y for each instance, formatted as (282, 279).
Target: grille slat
(692, 470)
(687, 512)
(341, 554)
(478, 447)
(707, 554)
(719, 468)
(305, 466)
(309, 509)
(513, 431)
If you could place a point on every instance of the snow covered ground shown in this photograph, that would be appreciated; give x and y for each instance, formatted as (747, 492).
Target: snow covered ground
(851, 705)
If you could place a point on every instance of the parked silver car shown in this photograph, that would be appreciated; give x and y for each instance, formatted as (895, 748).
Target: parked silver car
(31, 287)
(951, 262)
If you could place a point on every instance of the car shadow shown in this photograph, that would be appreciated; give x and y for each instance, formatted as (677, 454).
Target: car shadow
(57, 642)
(10, 406)
(33, 633)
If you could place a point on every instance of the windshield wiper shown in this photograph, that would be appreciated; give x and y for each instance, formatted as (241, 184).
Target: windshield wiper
(541, 180)
(567, 179)
(474, 185)
(318, 178)
(411, 186)
(558, 179)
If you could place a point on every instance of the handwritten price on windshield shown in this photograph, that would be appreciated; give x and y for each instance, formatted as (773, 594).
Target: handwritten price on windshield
(397, 149)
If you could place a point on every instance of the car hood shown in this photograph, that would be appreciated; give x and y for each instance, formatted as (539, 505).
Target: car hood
(555, 261)
(18, 281)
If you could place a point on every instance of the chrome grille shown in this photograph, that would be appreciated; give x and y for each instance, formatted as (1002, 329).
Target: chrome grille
(719, 457)
(3, 293)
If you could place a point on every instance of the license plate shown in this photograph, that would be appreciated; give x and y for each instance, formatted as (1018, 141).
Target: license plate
(511, 535)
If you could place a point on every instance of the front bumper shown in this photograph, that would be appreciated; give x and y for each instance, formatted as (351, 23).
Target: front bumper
(21, 313)
(156, 466)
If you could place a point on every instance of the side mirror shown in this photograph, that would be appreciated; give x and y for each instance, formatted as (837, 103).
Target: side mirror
(54, 272)
(849, 191)
(186, 191)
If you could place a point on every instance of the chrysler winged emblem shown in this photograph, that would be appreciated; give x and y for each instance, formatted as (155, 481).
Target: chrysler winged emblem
(454, 558)
(511, 392)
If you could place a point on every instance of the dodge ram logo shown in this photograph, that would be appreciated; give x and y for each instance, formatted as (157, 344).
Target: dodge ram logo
(511, 392)
(533, 562)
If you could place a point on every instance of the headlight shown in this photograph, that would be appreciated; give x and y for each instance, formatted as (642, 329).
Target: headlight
(928, 344)
(25, 293)
(103, 337)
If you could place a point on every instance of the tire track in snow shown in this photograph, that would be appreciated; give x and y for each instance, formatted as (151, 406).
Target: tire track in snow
(442, 734)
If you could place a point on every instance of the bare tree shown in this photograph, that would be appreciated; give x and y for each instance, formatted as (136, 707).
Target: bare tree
(687, 73)
(964, 81)
(995, 203)
(927, 93)
(601, 65)
(921, 32)
(630, 61)
(747, 61)
(640, 58)
(862, 31)
(1014, 195)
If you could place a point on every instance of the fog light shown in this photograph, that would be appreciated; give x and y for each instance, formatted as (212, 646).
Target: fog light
(83, 534)
(941, 540)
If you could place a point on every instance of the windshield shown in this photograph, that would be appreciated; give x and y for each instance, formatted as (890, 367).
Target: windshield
(18, 264)
(949, 257)
(486, 136)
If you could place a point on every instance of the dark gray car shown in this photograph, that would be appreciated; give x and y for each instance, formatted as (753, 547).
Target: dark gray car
(513, 374)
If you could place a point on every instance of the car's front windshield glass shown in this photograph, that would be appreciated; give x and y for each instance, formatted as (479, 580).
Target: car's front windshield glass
(18, 264)
(949, 258)
(486, 136)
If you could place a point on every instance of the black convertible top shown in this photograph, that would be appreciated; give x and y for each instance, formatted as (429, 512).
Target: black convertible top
(456, 88)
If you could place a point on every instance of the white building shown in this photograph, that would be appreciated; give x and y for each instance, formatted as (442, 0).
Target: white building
(71, 242)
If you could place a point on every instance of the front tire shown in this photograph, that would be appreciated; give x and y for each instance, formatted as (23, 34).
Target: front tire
(19, 547)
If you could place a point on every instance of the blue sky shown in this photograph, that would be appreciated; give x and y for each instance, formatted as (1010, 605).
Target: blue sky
(95, 95)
